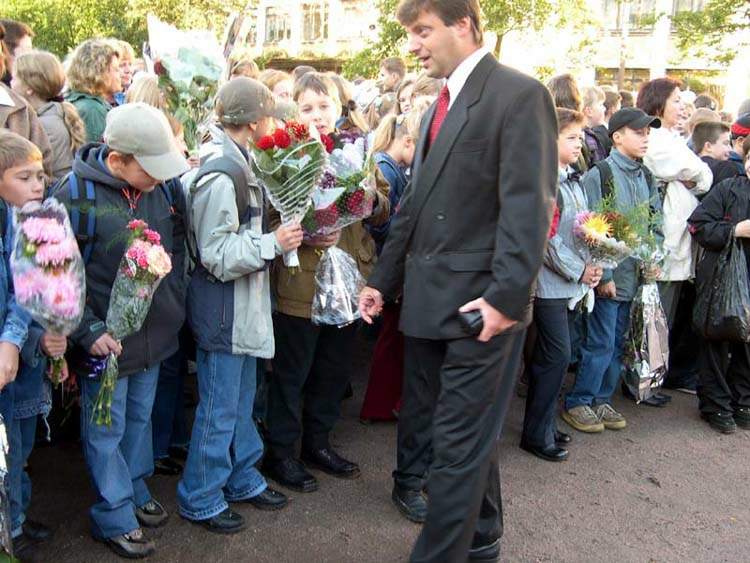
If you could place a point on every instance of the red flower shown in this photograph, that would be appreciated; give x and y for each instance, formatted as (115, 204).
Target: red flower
(555, 222)
(355, 203)
(136, 224)
(298, 130)
(159, 69)
(265, 143)
(327, 217)
(282, 138)
(327, 143)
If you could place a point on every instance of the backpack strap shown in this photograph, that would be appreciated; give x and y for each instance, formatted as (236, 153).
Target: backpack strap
(83, 213)
(607, 178)
(5, 223)
(227, 166)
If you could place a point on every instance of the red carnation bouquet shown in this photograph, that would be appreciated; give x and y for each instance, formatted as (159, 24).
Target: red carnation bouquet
(345, 193)
(289, 164)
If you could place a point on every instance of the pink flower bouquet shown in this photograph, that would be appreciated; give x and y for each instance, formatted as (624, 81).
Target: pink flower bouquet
(142, 268)
(48, 271)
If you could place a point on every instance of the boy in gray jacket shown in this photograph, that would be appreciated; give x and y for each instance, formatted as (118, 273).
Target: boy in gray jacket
(229, 310)
(587, 406)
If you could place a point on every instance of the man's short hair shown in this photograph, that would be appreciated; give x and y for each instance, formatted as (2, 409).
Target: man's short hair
(449, 11)
(611, 99)
(16, 150)
(626, 99)
(394, 65)
(567, 117)
(301, 70)
(708, 132)
(14, 32)
(706, 101)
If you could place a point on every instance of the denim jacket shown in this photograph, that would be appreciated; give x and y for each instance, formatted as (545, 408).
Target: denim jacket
(564, 264)
(16, 320)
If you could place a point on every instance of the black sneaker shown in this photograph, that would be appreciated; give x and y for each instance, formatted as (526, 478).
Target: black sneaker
(720, 421)
(227, 522)
(742, 417)
(151, 514)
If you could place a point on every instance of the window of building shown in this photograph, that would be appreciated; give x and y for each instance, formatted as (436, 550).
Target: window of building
(641, 14)
(679, 6)
(315, 21)
(278, 26)
(634, 77)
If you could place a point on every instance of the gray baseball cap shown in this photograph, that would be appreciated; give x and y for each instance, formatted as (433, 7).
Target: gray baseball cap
(143, 131)
(243, 100)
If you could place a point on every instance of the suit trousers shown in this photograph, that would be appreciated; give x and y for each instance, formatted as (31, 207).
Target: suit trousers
(724, 377)
(549, 364)
(311, 371)
(470, 385)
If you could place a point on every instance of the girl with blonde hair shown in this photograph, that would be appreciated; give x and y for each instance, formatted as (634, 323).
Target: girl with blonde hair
(278, 82)
(94, 78)
(40, 78)
(145, 88)
(127, 59)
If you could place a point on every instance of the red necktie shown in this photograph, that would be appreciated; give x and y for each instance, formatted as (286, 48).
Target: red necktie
(440, 112)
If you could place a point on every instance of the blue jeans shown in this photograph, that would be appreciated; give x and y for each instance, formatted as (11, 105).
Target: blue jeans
(22, 434)
(168, 417)
(225, 445)
(119, 457)
(601, 355)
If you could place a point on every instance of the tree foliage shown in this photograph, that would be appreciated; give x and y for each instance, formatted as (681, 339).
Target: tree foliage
(60, 25)
(500, 17)
(707, 30)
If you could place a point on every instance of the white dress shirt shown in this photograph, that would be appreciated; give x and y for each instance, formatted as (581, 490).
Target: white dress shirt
(458, 77)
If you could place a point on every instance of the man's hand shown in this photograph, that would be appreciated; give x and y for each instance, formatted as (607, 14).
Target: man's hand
(53, 345)
(324, 241)
(370, 304)
(591, 275)
(106, 345)
(607, 290)
(289, 236)
(494, 321)
(8, 363)
(742, 229)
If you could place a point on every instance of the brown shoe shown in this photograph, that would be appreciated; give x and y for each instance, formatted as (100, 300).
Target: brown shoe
(611, 419)
(583, 419)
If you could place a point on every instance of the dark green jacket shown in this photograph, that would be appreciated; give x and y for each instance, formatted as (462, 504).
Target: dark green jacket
(93, 111)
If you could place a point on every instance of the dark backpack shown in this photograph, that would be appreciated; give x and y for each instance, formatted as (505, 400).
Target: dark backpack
(608, 179)
(83, 210)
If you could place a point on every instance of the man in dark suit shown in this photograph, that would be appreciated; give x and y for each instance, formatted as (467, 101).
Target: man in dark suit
(470, 235)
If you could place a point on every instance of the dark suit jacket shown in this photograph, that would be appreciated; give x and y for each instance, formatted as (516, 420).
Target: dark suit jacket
(474, 221)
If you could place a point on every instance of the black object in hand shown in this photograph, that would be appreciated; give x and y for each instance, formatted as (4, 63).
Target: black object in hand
(472, 322)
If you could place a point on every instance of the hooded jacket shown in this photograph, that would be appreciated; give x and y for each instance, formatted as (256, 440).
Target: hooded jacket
(157, 338)
(229, 298)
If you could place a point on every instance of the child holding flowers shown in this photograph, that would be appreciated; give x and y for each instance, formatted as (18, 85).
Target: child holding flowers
(21, 181)
(588, 406)
(312, 364)
(119, 186)
(566, 271)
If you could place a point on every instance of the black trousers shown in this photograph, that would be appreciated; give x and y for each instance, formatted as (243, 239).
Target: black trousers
(549, 363)
(311, 371)
(724, 377)
(463, 388)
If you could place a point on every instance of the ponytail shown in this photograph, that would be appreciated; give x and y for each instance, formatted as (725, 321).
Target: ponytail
(75, 126)
(385, 134)
(354, 116)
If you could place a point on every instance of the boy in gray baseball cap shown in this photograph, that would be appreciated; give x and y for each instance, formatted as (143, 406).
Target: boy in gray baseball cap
(229, 310)
(130, 176)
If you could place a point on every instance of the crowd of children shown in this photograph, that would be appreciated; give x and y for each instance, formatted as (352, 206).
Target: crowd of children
(268, 378)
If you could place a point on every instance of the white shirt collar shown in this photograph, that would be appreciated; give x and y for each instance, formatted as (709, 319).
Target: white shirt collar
(5, 99)
(458, 77)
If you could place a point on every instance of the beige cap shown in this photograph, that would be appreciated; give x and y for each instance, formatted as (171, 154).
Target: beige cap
(243, 100)
(143, 131)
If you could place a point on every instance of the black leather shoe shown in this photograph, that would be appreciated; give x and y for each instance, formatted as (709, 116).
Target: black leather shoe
(741, 418)
(562, 438)
(720, 421)
(167, 466)
(290, 473)
(178, 452)
(412, 504)
(489, 552)
(663, 397)
(328, 461)
(36, 531)
(227, 522)
(268, 500)
(551, 453)
(133, 545)
(152, 514)
(654, 401)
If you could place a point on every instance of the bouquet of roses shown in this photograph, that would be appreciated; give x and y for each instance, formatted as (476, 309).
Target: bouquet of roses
(346, 191)
(289, 164)
(189, 65)
(48, 271)
(142, 268)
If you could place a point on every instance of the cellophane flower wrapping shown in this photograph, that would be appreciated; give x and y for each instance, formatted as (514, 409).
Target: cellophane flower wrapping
(289, 164)
(189, 65)
(6, 542)
(345, 193)
(646, 354)
(595, 238)
(48, 272)
(338, 285)
(142, 268)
